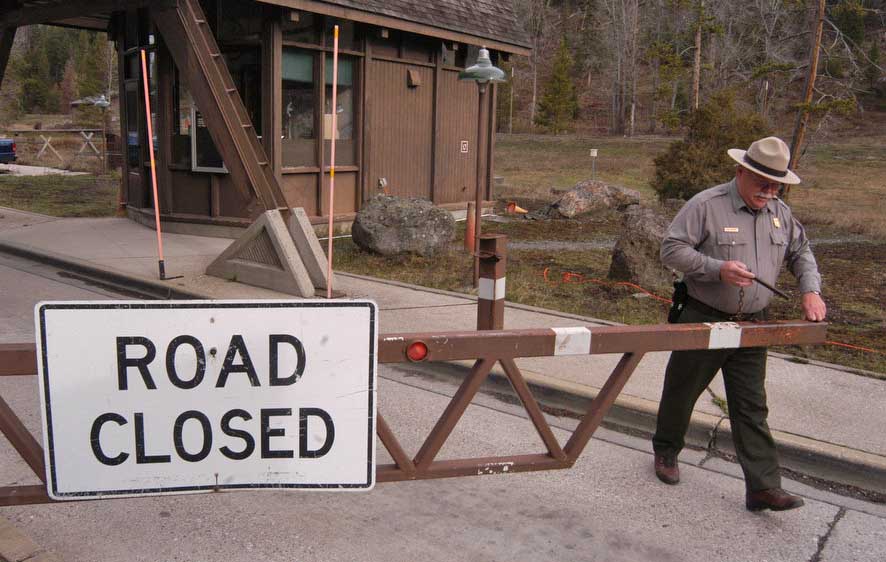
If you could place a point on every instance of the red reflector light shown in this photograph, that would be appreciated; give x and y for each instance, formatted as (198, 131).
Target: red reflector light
(13, 147)
(417, 351)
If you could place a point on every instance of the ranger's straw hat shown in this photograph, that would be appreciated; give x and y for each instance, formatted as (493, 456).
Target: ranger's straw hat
(767, 157)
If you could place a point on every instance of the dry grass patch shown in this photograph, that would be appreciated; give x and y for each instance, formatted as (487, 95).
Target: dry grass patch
(61, 196)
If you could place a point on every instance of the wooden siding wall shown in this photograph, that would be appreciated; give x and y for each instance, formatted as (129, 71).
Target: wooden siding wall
(191, 193)
(345, 193)
(301, 191)
(399, 131)
(228, 201)
(456, 172)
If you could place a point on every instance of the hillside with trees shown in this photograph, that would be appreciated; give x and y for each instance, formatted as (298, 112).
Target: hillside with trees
(605, 67)
(49, 67)
(642, 66)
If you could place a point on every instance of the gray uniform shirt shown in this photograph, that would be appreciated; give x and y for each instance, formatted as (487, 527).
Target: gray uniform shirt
(716, 226)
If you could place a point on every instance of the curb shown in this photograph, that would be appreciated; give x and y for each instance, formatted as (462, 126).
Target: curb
(138, 284)
(796, 452)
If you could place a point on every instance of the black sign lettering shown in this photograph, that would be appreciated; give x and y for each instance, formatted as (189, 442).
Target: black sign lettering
(94, 439)
(274, 340)
(124, 362)
(267, 433)
(303, 450)
(141, 457)
(170, 361)
(236, 346)
(178, 429)
(233, 432)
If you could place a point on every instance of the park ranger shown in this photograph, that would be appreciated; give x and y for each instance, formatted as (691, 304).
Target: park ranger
(722, 240)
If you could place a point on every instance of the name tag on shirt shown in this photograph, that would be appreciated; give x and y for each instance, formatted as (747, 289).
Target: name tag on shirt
(776, 222)
(730, 229)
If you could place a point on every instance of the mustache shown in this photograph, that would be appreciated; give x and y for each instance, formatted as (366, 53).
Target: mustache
(764, 195)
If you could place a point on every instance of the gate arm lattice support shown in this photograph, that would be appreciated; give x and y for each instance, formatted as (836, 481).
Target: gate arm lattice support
(486, 347)
(491, 346)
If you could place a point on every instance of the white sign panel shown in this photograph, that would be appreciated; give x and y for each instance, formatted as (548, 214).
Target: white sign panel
(145, 398)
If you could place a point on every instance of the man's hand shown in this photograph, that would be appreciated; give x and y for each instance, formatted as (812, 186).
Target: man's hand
(814, 308)
(736, 273)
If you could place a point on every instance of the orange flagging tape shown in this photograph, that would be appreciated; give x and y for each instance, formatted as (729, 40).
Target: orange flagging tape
(570, 277)
(858, 347)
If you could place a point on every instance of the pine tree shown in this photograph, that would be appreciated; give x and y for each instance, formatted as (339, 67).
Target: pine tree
(90, 65)
(32, 73)
(699, 161)
(68, 87)
(559, 104)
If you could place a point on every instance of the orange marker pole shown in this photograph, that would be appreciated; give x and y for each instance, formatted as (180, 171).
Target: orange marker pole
(470, 220)
(332, 161)
(153, 164)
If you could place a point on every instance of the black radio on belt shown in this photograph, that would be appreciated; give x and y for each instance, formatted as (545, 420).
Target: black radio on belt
(678, 301)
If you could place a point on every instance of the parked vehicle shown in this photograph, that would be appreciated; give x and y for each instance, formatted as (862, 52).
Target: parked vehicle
(7, 151)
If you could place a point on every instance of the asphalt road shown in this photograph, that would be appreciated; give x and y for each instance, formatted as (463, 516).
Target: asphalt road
(608, 507)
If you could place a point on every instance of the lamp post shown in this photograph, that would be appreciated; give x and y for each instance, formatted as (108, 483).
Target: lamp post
(482, 72)
(104, 104)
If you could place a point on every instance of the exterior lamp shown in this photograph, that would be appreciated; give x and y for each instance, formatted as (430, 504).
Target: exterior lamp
(103, 104)
(482, 72)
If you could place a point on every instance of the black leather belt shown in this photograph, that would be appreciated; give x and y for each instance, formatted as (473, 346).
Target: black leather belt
(699, 306)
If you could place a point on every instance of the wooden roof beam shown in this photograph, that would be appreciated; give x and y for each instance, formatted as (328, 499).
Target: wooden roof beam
(46, 13)
(7, 35)
(382, 20)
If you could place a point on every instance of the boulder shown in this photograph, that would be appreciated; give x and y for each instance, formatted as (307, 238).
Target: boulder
(635, 257)
(390, 225)
(592, 195)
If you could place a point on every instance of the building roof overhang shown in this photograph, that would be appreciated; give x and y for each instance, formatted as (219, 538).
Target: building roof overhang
(473, 22)
(450, 20)
(94, 15)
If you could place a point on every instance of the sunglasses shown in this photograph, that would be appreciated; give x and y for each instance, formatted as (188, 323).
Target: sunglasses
(763, 184)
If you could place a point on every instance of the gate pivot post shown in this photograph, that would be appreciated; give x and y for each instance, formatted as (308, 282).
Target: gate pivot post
(491, 289)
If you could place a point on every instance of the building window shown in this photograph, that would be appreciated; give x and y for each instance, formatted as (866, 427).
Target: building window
(244, 64)
(299, 116)
(181, 122)
(132, 119)
(152, 88)
(345, 152)
(204, 154)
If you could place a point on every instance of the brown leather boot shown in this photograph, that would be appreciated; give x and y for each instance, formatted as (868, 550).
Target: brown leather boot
(775, 499)
(666, 469)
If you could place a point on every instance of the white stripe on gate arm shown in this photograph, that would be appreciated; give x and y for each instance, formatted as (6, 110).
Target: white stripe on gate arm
(491, 289)
(572, 341)
(724, 335)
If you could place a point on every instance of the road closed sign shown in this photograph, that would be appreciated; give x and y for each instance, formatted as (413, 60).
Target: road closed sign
(147, 398)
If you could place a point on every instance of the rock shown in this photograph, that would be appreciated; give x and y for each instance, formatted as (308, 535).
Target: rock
(592, 195)
(390, 225)
(635, 257)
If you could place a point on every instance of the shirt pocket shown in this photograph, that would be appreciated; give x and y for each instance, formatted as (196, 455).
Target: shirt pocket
(778, 248)
(731, 246)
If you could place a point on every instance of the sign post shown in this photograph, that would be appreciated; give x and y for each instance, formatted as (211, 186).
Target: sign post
(148, 398)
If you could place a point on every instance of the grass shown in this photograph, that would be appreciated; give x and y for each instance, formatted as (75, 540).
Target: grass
(61, 196)
(840, 203)
(845, 187)
(533, 164)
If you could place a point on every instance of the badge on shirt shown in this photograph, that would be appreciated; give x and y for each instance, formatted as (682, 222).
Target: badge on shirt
(730, 229)
(776, 222)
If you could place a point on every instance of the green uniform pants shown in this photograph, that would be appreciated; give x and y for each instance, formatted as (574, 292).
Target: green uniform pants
(744, 374)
